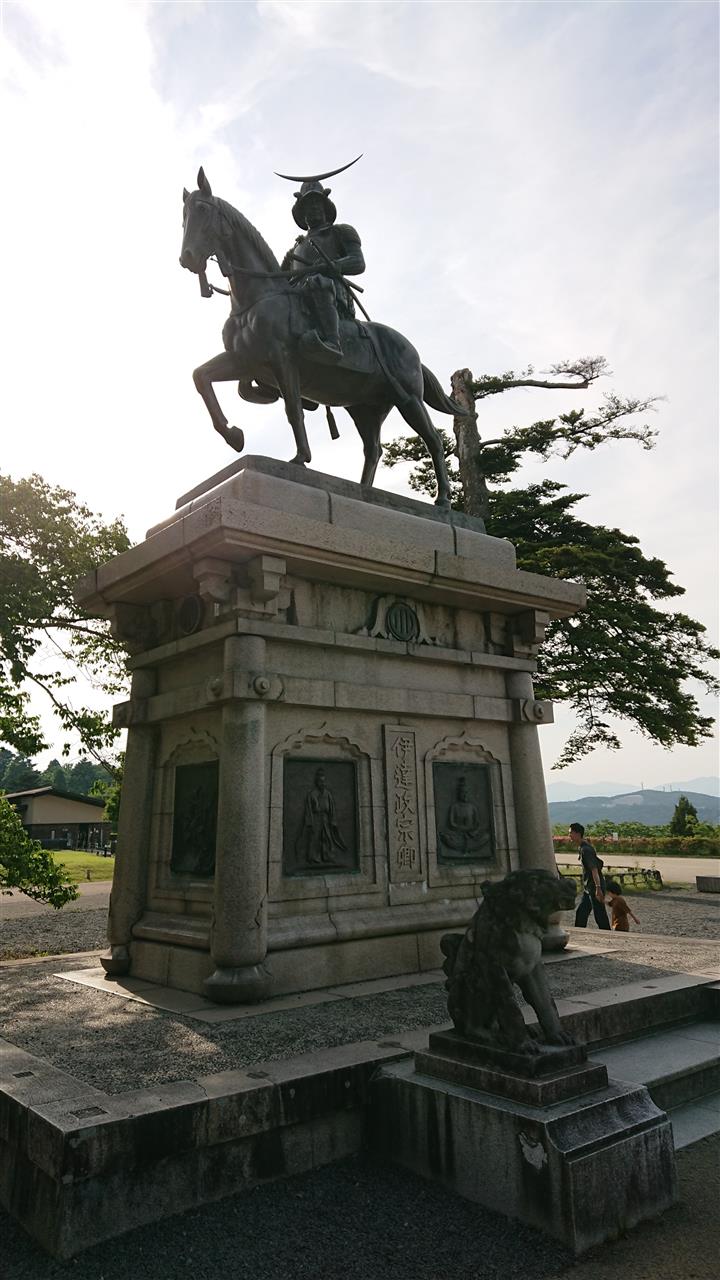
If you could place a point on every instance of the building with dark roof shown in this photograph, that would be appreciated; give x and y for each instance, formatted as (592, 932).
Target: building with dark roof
(62, 819)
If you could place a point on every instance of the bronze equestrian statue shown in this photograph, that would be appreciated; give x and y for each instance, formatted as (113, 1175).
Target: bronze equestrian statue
(291, 333)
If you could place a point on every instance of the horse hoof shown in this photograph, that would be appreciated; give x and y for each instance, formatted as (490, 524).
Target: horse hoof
(443, 504)
(235, 439)
(299, 460)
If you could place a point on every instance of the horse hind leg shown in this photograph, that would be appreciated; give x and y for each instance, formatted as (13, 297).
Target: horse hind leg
(369, 419)
(416, 415)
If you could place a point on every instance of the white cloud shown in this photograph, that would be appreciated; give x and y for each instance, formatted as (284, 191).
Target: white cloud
(538, 182)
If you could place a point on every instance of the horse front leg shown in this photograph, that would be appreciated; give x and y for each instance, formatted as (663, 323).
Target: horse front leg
(288, 381)
(222, 368)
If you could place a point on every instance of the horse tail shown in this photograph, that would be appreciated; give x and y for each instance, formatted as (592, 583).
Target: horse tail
(434, 395)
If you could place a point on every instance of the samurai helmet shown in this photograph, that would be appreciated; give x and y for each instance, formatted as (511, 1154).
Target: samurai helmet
(312, 186)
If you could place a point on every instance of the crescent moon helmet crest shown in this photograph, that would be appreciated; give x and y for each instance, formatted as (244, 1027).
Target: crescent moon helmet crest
(318, 177)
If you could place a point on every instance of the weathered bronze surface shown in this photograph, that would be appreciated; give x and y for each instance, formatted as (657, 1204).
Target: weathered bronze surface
(292, 332)
(319, 817)
(195, 819)
(463, 812)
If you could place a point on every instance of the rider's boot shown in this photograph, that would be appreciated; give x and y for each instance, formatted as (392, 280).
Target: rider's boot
(328, 330)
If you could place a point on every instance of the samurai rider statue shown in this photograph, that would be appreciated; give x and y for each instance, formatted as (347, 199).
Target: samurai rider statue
(319, 261)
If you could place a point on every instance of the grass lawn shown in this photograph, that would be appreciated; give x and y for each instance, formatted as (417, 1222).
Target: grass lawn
(79, 862)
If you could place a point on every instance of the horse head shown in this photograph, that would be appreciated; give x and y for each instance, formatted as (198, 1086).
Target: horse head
(202, 226)
(211, 226)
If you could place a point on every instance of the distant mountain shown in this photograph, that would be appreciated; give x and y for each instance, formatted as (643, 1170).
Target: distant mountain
(654, 808)
(706, 786)
(579, 791)
(575, 790)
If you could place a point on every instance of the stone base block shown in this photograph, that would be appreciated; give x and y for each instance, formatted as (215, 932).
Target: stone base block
(583, 1170)
(117, 962)
(289, 969)
(78, 1166)
(548, 1076)
(238, 986)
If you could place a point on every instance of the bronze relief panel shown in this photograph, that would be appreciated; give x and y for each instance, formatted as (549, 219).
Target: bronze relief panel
(195, 819)
(463, 812)
(319, 817)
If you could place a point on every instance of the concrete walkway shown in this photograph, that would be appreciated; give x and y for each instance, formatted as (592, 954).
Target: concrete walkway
(672, 870)
(94, 895)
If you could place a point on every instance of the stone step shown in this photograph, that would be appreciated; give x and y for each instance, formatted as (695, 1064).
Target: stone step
(624, 1013)
(677, 1066)
(693, 1121)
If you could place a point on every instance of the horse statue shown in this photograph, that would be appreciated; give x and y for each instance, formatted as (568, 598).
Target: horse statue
(265, 355)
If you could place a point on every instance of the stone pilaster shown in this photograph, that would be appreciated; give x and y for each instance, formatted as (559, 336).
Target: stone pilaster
(535, 844)
(238, 941)
(127, 900)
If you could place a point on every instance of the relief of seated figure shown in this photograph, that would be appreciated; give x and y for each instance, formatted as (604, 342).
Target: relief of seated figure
(464, 834)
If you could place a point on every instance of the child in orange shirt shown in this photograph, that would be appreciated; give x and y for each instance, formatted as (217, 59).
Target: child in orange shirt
(619, 908)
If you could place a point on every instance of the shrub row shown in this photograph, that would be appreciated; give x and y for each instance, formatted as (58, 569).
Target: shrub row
(646, 846)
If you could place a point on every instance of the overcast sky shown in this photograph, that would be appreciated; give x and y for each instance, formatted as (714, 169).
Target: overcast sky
(539, 181)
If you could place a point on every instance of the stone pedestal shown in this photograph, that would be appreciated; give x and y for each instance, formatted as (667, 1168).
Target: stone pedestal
(548, 1140)
(332, 732)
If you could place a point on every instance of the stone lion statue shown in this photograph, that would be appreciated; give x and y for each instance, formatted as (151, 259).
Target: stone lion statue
(503, 946)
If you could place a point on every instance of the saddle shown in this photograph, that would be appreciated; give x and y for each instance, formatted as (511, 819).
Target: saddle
(357, 347)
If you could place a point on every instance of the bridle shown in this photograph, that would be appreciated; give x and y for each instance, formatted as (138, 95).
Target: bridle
(206, 288)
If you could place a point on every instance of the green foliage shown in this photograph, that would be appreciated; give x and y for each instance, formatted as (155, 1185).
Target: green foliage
(26, 866)
(83, 776)
(48, 540)
(55, 776)
(110, 789)
(621, 657)
(685, 818)
(79, 865)
(20, 774)
(648, 847)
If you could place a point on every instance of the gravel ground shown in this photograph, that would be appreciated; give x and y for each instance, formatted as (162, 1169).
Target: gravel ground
(684, 914)
(116, 1044)
(350, 1221)
(56, 934)
(356, 1221)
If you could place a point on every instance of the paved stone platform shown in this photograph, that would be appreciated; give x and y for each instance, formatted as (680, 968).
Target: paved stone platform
(98, 1073)
(117, 1044)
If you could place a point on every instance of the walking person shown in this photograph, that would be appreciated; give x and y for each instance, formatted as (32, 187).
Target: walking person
(593, 898)
(619, 908)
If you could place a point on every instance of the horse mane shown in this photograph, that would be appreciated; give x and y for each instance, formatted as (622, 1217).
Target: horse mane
(241, 225)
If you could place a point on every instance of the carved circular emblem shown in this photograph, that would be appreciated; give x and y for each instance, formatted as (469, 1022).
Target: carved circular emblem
(261, 685)
(402, 622)
(190, 615)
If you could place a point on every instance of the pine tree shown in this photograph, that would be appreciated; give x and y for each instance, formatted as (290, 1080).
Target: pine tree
(685, 819)
(620, 657)
(54, 776)
(21, 774)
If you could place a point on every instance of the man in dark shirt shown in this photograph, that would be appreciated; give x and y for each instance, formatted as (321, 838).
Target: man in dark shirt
(593, 898)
